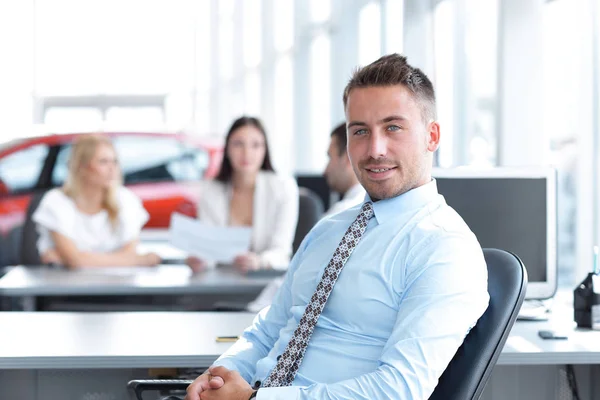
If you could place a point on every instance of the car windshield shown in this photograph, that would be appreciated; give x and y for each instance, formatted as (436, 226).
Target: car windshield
(148, 159)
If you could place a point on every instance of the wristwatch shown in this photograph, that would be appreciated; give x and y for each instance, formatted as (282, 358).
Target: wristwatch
(253, 395)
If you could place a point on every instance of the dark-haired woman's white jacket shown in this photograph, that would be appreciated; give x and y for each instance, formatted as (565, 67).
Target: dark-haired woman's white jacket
(275, 214)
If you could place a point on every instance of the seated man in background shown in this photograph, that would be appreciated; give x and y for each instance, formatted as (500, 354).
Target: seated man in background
(339, 173)
(378, 298)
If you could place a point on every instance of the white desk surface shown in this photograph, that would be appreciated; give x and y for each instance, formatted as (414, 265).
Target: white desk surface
(187, 339)
(115, 340)
(525, 347)
(164, 279)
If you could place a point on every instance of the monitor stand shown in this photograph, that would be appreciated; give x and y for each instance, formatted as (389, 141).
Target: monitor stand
(534, 310)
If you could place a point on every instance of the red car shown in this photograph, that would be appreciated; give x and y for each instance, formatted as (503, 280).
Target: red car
(162, 169)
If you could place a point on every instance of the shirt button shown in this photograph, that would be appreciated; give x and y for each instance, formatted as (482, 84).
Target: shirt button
(278, 357)
(257, 384)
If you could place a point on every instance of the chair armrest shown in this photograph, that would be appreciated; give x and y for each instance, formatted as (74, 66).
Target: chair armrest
(142, 385)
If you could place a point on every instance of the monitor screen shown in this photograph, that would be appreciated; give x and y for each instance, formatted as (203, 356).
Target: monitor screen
(511, 209)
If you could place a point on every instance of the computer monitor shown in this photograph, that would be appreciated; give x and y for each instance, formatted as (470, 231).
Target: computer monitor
(512, 209)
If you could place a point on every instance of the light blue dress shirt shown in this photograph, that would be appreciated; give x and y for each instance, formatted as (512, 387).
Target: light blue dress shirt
(406, 298)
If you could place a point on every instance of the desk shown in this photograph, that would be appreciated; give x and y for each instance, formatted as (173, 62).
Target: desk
(531, 368)
(115, 340)
(48, 353)
(525, 347)
(165, 280)
(66, 355)
(52, 352)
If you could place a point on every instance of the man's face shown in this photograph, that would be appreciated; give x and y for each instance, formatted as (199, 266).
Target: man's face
(337, 167)
(389, 144)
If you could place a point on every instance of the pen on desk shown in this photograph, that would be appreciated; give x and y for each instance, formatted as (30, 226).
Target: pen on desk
(596, 270)
(221, 339)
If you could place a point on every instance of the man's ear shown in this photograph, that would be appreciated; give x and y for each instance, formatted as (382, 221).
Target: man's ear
(433, 136)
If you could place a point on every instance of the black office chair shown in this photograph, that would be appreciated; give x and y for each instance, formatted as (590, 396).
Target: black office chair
(28, 253)
(470, 368)
(310, 211)
(11, 247)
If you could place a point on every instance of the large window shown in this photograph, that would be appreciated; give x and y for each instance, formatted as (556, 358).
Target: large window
(225, 43)
(560, 121)
(252, 93)
(73, 119)
(369, 33)
(200, 108)
(320, 100)
(113, 46)
(16, 70)
(282, 136)
(283, 25)
(394, 26)
(190, 65)
(104, 49)
(252, 35)
(465, 57)
(134, 118)
(480, 80)
(444, 20)
(320, 10)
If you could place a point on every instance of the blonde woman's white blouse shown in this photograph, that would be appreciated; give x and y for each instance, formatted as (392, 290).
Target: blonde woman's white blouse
(90, 232)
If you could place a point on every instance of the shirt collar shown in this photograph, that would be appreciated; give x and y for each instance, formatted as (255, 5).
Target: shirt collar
(416, 198)
(354, 191)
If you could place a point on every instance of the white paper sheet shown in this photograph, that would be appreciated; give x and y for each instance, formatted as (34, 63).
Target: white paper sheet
(210, 243)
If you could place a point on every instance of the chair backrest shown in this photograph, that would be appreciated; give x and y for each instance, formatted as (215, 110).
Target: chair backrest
(468, 372)
(310, 210)
(29, 254)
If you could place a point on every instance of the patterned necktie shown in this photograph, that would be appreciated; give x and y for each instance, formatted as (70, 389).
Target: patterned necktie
(288, 363)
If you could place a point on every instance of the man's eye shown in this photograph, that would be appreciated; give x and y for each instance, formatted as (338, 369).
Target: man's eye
(360, 132)
(393, 128)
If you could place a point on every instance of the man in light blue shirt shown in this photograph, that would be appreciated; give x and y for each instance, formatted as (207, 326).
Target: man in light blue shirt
(412, 288)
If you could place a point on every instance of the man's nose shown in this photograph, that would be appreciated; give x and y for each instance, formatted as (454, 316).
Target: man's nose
(377, 146)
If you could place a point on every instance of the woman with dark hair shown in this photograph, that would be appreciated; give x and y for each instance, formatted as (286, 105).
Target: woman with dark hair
(247, 192)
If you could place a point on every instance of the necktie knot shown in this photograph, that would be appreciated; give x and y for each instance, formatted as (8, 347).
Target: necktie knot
(367, 210)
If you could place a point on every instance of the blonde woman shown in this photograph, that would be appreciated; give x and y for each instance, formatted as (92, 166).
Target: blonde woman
(92, 221)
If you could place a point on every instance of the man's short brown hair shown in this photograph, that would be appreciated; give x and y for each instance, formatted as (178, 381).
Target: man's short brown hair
(392, 70)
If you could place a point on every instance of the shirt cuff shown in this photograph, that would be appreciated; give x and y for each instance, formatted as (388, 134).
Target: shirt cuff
(279, 393)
